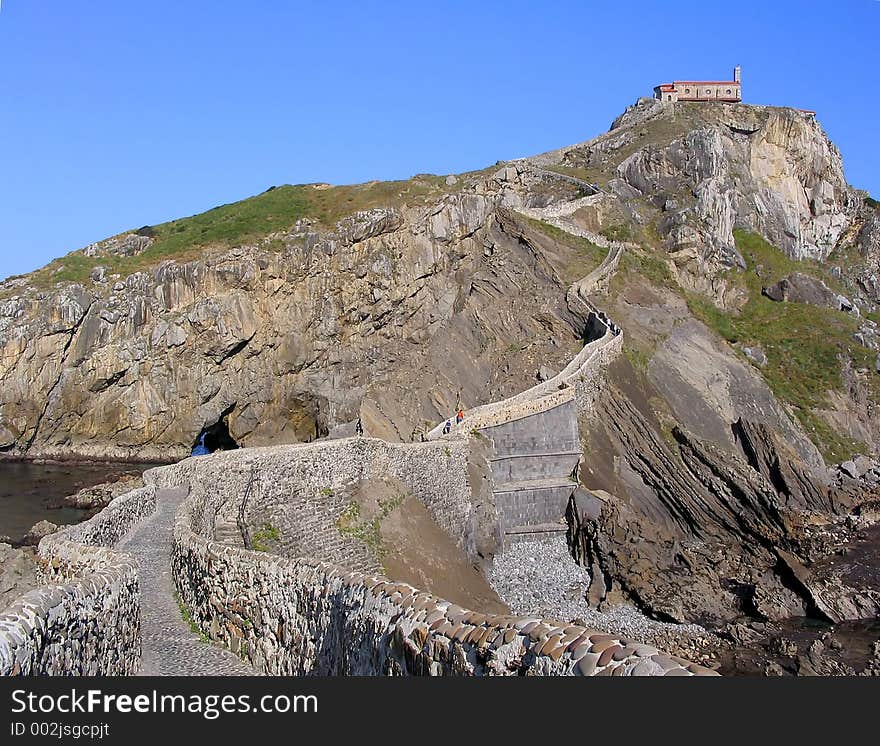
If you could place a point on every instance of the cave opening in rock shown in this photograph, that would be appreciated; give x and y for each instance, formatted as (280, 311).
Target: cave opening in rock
(216, 436)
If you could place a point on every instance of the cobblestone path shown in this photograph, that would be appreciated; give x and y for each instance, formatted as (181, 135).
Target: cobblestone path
(170, 647)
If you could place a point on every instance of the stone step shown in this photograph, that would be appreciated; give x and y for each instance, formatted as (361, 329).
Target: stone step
(538, 528)
(538, 454)
(534, 484)
(534, 467)
(228, 533)
(522, 534)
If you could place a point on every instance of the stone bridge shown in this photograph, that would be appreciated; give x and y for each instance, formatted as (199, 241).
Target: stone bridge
(534, 434)
(110, 606)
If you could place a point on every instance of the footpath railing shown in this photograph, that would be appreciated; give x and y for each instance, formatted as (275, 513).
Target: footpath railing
(299, 616)
(86, 620)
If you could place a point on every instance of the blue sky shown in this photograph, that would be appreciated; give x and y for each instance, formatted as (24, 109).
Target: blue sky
(120, 114)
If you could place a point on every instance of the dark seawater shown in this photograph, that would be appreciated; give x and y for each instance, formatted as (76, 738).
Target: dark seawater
(30, 492)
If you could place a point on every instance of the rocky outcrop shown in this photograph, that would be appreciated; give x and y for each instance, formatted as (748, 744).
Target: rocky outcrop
(98, 496)
(801, 288)
(19, 573)
(698, 533)
(706, 170)
(395, 313)
(289, 344)
(775, 460)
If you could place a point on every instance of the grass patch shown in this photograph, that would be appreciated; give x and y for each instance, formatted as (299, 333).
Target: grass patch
(587, 256)
(590, 175)
(251, 220)
(351, 522)
(264, 537)
(637, 357)
(186, 614)
(804, 344)
(621, 232)
(644, 264)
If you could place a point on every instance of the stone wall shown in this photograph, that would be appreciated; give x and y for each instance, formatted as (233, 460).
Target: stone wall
(300, 616)
(436, 473)
(577, 380)
(307, 519)
(87, 622)
(533, 470)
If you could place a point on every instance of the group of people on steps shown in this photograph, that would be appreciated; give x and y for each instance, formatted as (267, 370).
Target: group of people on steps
(418, 432)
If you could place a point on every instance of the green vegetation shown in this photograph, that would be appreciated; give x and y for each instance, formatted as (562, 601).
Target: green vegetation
(804, 344)
(871, 202)
(644, 264)
(264, 537)
(352, 523)
(251, 220)
(590, 175)
(587, 256)
(621, 232)
(188, 618)
(637, 357)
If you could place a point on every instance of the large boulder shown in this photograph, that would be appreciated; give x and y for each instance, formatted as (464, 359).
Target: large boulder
(802, 288)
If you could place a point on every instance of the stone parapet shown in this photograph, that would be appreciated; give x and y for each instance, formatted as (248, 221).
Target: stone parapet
(436, 473)
(298, 616)
(87, 621)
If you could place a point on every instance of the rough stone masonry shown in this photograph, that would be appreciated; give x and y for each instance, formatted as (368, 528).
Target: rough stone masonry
(297, 616)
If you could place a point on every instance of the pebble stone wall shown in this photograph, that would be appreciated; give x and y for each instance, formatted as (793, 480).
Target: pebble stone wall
(87, 621)
(300, 616)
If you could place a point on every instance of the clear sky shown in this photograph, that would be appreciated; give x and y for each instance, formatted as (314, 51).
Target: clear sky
(116, 114)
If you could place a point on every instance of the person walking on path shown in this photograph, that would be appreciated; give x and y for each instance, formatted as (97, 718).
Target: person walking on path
(459, 416)
(359, 428)
(447, 428)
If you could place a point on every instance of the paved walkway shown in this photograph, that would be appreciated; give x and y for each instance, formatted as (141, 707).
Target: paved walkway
(170, 647)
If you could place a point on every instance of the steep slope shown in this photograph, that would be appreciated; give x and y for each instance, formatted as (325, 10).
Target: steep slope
(746, 292)
(296, 311)
(746, 368)
(725, 201)
(391, 313)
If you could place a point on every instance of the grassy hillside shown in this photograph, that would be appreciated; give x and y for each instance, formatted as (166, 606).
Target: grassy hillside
(805, 345)
(250, 221)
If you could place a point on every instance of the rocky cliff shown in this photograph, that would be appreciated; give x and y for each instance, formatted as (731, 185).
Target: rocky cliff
(747, 295)
(391, 313)
(436, 291)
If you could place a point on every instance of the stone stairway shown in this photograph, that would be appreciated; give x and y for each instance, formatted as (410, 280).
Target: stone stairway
(227, 532)
(535, 433)
(534, 463)
(533, 508)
